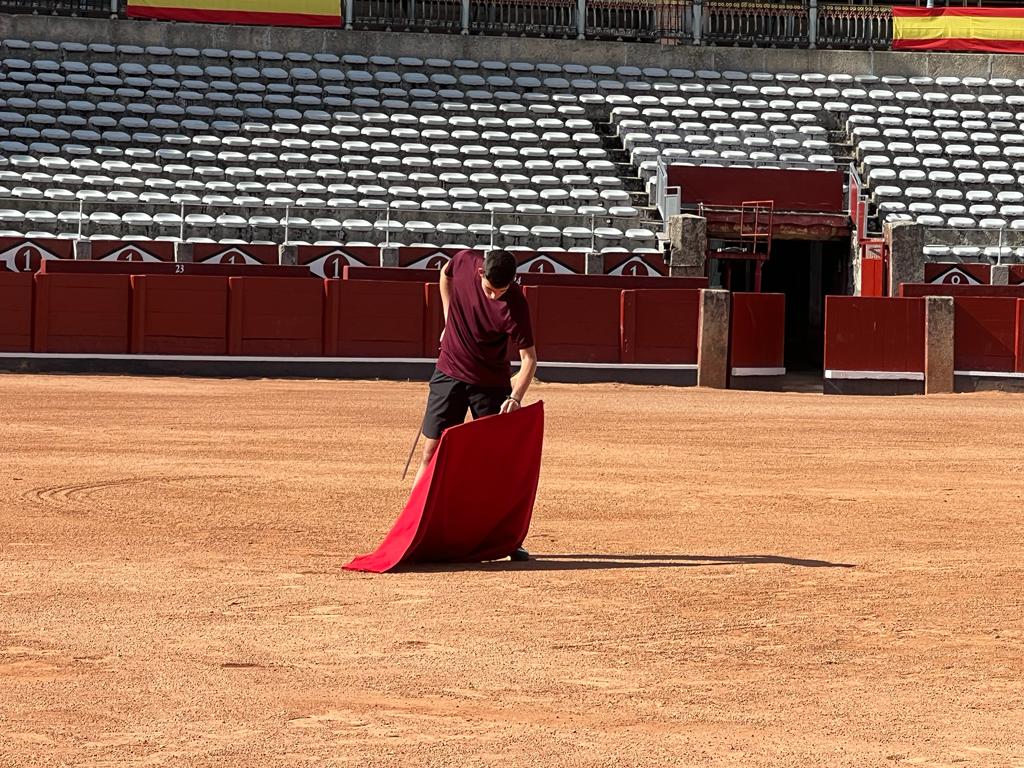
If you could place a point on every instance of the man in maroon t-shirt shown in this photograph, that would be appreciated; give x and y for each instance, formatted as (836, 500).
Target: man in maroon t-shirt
(484, 309)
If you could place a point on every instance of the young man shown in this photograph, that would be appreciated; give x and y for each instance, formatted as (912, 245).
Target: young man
(484, 309)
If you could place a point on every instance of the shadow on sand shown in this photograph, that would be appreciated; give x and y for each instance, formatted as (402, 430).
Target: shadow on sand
(597, 562)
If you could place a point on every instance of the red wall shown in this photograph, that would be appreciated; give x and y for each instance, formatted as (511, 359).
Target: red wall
(228, 269)
(985, 334)
(575, 324)
(659, 326)
(275, 316)
(179, 315)
(1020, 335)
(16, 311)
(758, 330)
(82, 313)
(791, 190)
(375, 319)
(874, 334)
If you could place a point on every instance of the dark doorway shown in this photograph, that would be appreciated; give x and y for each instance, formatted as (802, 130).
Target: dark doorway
(806, 272)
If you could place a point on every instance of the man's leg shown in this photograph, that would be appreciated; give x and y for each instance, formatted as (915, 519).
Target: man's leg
(447, 402)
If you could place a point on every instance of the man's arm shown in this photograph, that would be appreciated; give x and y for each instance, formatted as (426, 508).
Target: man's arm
(522, 380)
(446, 292)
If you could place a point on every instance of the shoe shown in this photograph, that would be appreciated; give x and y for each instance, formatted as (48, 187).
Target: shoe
(520, 555)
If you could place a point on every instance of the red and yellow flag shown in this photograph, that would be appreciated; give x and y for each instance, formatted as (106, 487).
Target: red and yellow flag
(285, 13)
(995, 30)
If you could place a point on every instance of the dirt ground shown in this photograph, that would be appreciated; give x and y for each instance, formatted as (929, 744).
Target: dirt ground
(722, 578)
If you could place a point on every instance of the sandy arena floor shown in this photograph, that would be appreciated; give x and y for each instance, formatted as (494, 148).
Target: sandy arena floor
(723, 578)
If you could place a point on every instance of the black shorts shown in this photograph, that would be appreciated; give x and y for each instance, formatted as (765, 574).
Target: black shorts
(450, 398)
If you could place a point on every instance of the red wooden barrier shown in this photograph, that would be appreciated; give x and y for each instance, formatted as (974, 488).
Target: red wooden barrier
(132, 250)
(275, 316)
(985, 334)
(433, 320)
(16, 312)
(619, 282)
(242, 253)
(576, 324)
(758, 330)
(1020, 336)
(375, 319)
(329, 260)
(82, 313)
(1016, 274)
(404, 274)
(957, 274)
(166, 268)
(874, 334)
(659, 326)
(174, 315)
(20, 255)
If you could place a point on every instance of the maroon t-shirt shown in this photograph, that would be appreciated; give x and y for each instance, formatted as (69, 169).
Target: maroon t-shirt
(475, 344)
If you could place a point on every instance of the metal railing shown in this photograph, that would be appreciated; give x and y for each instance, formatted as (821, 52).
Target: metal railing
(284, 224)
(854, 26)
(408, 15)
(756, 24)
(541, 18)
(645, 20)
(63, 7)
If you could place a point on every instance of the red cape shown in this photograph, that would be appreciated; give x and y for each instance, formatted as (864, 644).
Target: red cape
(475, 500)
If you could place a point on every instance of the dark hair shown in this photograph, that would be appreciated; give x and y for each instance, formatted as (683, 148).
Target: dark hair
(500, 268)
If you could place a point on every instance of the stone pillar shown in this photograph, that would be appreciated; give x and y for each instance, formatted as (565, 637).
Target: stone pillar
(389, 255)
(938, 352)
(1000, 274)
(288, 255)
(812, 23)
(698, 20)
(465, 16)
(713, 339)
(595, 263)
(183, 253)
(905, 242)
(83, 250)
(581, 19)
(349, 13)
(688, 242)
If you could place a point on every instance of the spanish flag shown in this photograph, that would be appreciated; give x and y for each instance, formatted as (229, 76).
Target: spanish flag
(993, 30)
(282, 13)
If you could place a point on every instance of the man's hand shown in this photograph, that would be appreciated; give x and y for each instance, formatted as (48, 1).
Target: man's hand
(510, 404)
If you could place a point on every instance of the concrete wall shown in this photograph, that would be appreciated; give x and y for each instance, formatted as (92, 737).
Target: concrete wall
(172, 34)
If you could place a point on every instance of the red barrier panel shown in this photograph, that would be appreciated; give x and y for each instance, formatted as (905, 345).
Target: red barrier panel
(375, 319)
(329, 260)
(948, 289)
(660, 326)
(241, 253)
(1016, 274)
(174, 315)
(82, 313)
(627, 264)
(758, 330)
(275, 316)
(874, 334)
(576, 324)
(957, 274)
(433, 320)
(618, 282)
(132, 250)
(20, 255)
(391, 274)
(985, 334)
(166, 268)
(16, 312)
(1020, 336)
